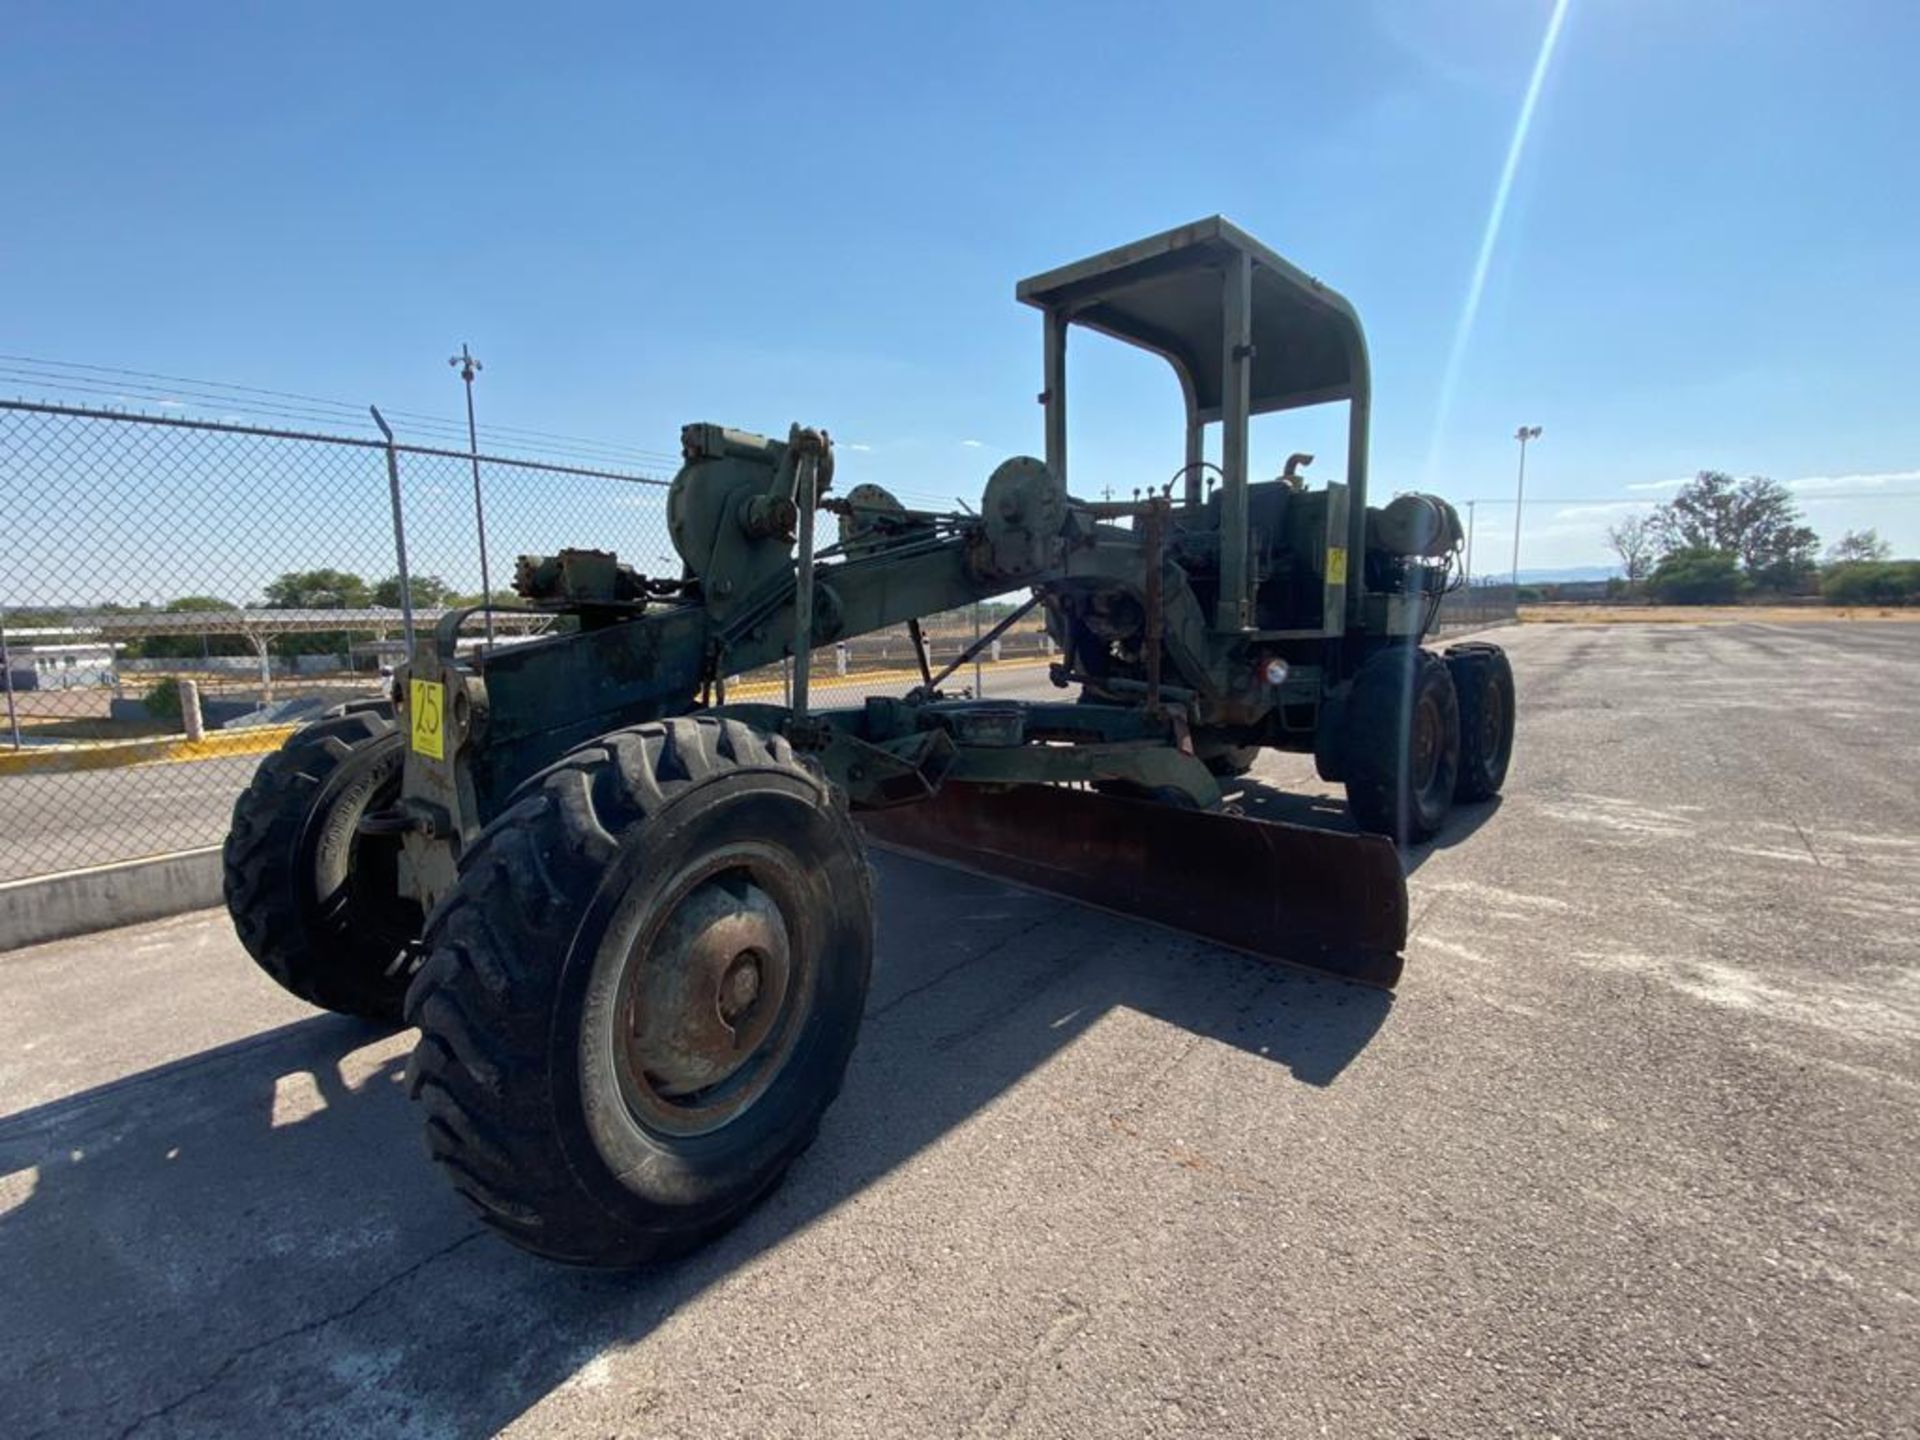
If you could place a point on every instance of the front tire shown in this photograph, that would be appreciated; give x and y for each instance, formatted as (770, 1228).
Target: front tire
(315, 903)
(643, 992)
(1401, 751)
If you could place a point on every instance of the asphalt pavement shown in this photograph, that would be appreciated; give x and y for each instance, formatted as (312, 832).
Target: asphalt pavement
(1630, 1152)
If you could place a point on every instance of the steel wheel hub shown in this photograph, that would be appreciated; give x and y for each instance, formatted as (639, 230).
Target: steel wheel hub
(711, 989)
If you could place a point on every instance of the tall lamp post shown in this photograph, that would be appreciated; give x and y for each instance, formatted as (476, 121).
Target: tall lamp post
(468, 368)
(1466, 578)
(1523, 435)
(1467, 563)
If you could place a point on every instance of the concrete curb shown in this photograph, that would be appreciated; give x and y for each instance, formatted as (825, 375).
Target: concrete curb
(49, 907)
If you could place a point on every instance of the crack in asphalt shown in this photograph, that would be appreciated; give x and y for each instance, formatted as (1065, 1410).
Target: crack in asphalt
(225, 1367)
(994, 949)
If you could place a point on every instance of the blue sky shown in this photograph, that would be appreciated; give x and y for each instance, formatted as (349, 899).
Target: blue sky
(642, 215)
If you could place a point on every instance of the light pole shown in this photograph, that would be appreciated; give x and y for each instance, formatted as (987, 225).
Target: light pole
(1467, 564)
(1523, 435)
(468, 368)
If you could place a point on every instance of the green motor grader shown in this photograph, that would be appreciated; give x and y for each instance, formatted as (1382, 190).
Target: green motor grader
(633, 919)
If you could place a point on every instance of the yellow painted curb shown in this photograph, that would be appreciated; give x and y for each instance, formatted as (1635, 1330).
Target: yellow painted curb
(869, 682)
(112, 754)
(264, 739)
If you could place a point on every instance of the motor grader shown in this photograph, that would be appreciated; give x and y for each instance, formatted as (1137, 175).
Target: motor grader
(633, 919)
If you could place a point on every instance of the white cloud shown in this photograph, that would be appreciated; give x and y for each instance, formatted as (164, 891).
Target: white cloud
(1872, 480)
(973, 444)
(853, 445)
(1661, 484)
(1601, 512)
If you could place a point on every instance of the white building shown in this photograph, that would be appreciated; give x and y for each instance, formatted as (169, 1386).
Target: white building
(61, 665)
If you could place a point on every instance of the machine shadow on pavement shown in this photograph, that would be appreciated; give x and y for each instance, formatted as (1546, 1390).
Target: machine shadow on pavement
(1260, 801)
(249, 1240)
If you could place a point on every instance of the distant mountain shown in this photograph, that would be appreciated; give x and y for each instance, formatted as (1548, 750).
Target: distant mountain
(1563, 576)
(1571, 572)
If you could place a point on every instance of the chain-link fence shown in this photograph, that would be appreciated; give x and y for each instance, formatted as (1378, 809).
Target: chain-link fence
(1474, 607)
(176, 595)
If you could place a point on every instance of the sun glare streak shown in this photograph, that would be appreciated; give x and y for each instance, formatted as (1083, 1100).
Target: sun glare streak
(1490, 236)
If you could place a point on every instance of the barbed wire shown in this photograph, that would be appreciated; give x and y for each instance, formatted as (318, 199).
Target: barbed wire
(262, 400)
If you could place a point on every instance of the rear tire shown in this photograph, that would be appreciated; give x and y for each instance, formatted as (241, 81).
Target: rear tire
(315, 903)
(1483, 679)
(575, 1090)
(1401, 751)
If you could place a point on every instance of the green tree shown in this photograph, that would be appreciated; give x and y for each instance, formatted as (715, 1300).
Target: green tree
(1858, 545)
(318, 590)
(181, 644)
(429, 592)
(1754, 520)
(1696, 575)
(500, 597)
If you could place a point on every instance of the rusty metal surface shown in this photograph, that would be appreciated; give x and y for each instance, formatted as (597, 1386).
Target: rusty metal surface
(1316, 898)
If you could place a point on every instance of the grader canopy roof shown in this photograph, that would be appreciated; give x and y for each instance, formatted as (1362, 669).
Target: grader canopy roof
(1164, 294)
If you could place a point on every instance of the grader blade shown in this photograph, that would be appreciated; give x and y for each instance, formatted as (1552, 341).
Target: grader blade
(1315, 898)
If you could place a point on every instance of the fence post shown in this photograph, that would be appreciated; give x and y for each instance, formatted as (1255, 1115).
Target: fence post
(400, 531)
(6, 666)
(190, 710)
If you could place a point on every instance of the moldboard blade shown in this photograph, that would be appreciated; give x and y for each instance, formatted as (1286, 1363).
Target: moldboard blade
(1317, 898)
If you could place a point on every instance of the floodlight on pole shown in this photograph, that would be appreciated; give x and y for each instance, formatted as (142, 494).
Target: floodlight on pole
(1523, 435)
(468, 368)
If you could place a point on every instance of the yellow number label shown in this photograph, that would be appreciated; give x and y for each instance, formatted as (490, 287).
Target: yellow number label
(1336, 565)
(426, 701)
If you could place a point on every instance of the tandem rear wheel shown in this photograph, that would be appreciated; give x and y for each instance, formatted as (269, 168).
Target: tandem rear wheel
(1423, 732)
(315, 903)
(642, 993)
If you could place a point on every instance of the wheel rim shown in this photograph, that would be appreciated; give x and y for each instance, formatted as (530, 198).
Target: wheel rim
(1492, 726)
(358, 886)
(712, 994)
(1425, 744)
(373, 883)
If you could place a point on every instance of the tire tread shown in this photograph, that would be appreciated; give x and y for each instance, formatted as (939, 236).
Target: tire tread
(485, 996)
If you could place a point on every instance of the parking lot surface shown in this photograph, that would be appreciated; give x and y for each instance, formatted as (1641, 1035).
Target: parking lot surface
(1630, 1152)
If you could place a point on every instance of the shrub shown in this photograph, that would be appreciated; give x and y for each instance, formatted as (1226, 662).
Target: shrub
(1695, 577)
(1872, 582)
(163, 699)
